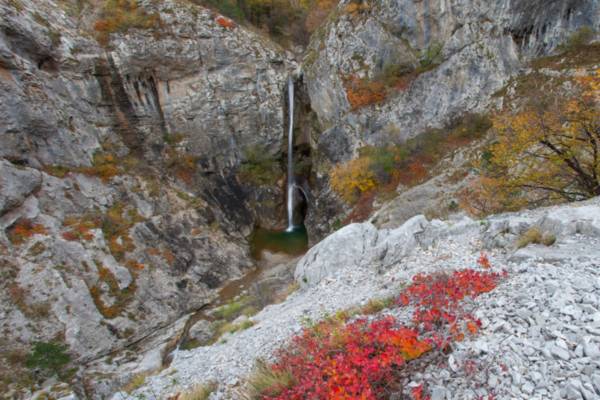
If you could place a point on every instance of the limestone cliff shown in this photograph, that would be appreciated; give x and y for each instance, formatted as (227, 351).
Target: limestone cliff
(383, 72)
(123, 202)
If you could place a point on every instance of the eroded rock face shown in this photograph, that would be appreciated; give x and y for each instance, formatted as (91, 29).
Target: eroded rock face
(121, 202)
(364, 246)
(445, 58)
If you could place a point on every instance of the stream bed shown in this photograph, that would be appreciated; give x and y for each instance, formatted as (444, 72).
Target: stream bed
(272, 279)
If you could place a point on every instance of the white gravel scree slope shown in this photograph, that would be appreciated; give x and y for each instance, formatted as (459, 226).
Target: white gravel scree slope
(540, 333)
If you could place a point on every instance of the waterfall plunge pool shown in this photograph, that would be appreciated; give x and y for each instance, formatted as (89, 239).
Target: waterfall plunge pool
(292, 242)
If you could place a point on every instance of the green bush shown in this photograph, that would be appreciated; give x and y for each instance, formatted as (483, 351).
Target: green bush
(50, 358)
(431, 57)
(383, 160)
(229, 8)
(580, 38)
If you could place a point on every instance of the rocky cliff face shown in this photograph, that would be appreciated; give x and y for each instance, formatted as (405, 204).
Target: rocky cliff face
(382, 72)
(122, 204)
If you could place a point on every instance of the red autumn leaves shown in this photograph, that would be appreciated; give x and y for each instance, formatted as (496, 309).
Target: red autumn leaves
(340, 359)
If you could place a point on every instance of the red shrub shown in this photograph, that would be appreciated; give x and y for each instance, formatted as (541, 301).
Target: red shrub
(225, 22)
(362, 92)
(361, 359)
(363, 208)
(484, 261)
(352, 361)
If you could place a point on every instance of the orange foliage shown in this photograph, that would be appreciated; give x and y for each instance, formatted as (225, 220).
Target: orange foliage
(169, 256)
(225, 22)
(153, 251)
(414, 173)
(134, 265)
(122, 15)
(472, 327)
(355, 8)
(362, 92)
(318, 13)
(545, 153)
(379, 170)
(183, 165)
(79, 229)
(484, 261)
(23, 229)
(119, 245)
(120, 298)
(485, 195)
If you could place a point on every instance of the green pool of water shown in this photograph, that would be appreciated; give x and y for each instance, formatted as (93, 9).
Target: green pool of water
(293, 243)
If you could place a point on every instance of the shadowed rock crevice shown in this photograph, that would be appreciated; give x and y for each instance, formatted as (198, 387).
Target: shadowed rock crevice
(125, 121)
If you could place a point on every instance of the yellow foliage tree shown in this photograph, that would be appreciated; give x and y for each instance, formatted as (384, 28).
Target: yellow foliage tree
(351, 179)
(318, 10)
(485, 195)
(551, 149)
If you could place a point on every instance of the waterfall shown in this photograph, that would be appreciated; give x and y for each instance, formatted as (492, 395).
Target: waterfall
(290, 167)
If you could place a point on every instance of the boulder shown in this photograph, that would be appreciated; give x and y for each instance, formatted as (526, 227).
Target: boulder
(350, 247)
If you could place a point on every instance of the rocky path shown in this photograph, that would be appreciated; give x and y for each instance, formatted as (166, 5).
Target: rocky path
(540, 331)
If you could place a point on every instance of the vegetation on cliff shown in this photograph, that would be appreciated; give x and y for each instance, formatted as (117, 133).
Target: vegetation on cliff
(287, 21)
(378, 171)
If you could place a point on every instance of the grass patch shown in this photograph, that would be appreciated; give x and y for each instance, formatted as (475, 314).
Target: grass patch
(136, 382)
(173, 139)
(535, 236)
(199, 392)
(16, 4)
(116, 224)
(375, 306)
(233, 328)
(431, 57)
(232, 309)
(578, 39)
(37, 249)
(266, 381)
(285, 293)
(105, 166)
(571, 57)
